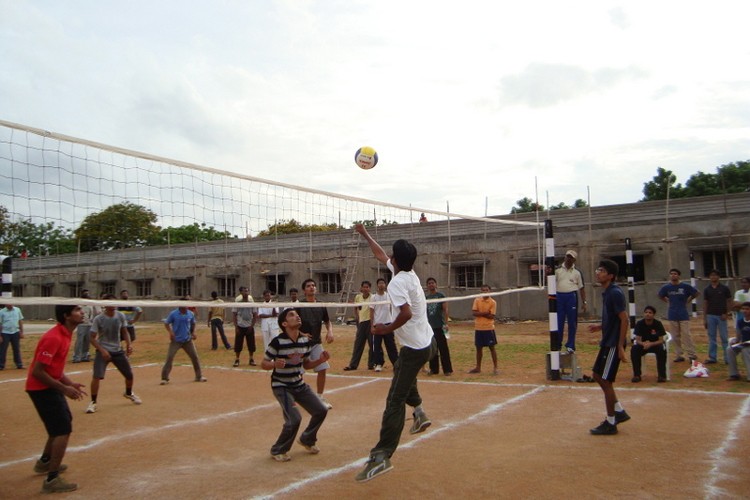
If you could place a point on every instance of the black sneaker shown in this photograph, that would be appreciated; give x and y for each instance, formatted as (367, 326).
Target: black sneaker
(709, 361)
(679, 359)
(636, 379)
(373, 468)
(604, 429)
(733, 377)
(621, 416)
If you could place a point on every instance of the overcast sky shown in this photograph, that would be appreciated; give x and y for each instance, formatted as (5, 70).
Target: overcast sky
(462, 100)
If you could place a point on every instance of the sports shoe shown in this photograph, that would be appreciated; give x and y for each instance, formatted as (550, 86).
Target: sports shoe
(43, 467)
(236, 363)
(421, 422)
(661, 380)
(164, 381)
(378, 368)
(252, 362)
(373, 468)
(605, 428)
(709, 361)
(135, 399)
(201, 379)
(312, 449)
(91, 408)
(621, 416)
(281, 457)
(325, 402)
(58, 485)
(733, 377)
(571, 350)
(679, 359)
(636, 379)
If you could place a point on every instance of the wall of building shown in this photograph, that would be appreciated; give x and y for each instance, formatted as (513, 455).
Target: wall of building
(715, 229)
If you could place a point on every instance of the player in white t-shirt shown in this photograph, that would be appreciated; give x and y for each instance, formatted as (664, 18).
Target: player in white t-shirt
(413, 331)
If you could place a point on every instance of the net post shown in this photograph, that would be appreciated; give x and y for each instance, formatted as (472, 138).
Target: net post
(549, 264)
(630, 272)
(693, 283)
(7, 276)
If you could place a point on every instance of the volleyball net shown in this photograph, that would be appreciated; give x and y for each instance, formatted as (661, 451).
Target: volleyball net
(76, 214)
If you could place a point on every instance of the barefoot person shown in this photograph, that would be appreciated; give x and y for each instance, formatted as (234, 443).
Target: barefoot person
(287, 354)
(48, 386)
(418, 346)
(615, 328)
(484, 310)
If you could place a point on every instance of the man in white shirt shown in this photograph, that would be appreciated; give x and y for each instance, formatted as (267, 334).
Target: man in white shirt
(415, 335)
(569, 283)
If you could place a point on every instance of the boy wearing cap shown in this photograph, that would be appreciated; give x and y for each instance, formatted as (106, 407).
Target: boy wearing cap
(569, 284)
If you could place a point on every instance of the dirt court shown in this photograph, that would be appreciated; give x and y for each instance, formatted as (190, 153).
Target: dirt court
(510, 436)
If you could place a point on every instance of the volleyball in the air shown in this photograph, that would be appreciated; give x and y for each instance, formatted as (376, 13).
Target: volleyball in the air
(366, 157)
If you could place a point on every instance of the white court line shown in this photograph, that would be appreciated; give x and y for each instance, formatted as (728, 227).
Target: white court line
(718, 456)
(174, 425)
(430, 435)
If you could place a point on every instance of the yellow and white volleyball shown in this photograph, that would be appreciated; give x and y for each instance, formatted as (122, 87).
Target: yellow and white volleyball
(366, 157)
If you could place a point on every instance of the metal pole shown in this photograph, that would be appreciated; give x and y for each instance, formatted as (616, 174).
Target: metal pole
(549, 262)
(693, 283)
(7, 276)
(630, 271)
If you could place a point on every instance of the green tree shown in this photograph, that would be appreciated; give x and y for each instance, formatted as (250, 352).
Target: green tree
(45, 239)
(525, 205)
(292, 226)
(191, 233)
(369, 223)
(124, 225)
(656, 189)
(580, 203)
(559, 206)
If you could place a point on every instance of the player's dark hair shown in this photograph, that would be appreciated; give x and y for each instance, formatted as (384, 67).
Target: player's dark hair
(610, 266)
(365, 282)
(266, 291)
(379, 280)
(404, 253)
(650, 308)
(61, 311)
(714, 271)
(675, 270)
(293, 290)
(214, 295)
(431, 279)
(308, 280)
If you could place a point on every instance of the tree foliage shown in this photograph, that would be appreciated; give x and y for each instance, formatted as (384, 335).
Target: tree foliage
(191, 233)
(34, 239)
(123, 225)
(292, 226)
(369, 223)
(729, 178)
(525, 205)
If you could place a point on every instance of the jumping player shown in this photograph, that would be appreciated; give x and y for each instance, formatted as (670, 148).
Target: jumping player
(418, 346)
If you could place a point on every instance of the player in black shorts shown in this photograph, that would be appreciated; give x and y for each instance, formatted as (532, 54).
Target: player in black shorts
(614, 330)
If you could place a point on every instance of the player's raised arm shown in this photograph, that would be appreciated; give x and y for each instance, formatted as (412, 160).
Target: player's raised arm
(377, 250)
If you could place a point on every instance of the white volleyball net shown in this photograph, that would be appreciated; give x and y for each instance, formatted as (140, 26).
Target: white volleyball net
(69, 205)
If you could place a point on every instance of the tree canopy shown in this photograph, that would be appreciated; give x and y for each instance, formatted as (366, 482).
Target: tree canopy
(729, 178)
(292, 226)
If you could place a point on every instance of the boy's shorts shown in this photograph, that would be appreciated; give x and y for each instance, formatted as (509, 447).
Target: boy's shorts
(54, 411)
(484, 338)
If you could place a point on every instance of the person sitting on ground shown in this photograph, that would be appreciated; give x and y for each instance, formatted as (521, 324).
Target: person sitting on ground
(649, 338)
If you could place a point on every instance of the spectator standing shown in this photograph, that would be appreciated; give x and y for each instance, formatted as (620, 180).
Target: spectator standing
(11, 333)
(678, 295)
(437, 315)
(83, 332)
(313, 319)
(717, 299)
(132, 314)
(381, 315)
(569, 284)
(484, 310)
(363, 335)
(244, 327)
(740, 297)
(268, 320)
(216, 322)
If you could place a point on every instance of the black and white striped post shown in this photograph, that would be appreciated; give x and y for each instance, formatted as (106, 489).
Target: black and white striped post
(630, 272)
(6, 291)
(549, 264)
(693, 283)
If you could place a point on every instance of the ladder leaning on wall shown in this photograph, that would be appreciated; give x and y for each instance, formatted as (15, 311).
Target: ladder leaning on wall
(347, 278)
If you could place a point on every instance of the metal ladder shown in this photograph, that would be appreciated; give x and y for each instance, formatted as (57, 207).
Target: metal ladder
(350, 270)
